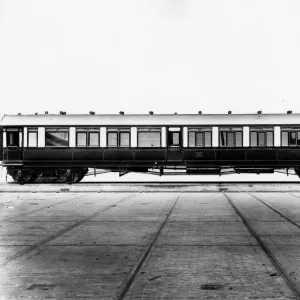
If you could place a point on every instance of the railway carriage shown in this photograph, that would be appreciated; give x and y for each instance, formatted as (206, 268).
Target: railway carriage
(63, 147)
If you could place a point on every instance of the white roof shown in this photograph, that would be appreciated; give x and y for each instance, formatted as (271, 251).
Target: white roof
(152, 120)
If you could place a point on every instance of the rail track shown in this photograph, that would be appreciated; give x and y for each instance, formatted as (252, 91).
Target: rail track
(276, 263)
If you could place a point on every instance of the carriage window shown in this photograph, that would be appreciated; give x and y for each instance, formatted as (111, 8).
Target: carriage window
(57, 137)
(81, 139)
(238, 139)
(199, 137)
(112, 139)
(290, 137)
(12, 138)
(284, 138)
(192, 136)
(270, 138)
(149, 139)
(124, 139)
(253, 139)
(261, 139)
(174, 139)
(231, 137)
(32, 137)
(261, 136)
(207, 139)
(94, 139)
(87, 137)
(118, 137)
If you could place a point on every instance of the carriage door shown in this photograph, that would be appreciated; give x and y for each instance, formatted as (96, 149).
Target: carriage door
(174, 144)
(14, 143)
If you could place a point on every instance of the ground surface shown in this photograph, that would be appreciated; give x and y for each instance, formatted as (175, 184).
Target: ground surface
(134, 242)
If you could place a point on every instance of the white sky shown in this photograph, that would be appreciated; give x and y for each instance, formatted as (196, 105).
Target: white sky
(160, 55)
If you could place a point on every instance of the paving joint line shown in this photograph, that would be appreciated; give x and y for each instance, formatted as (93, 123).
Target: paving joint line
(124, 288)
(277, 211)
(60, 232)
(290, 283)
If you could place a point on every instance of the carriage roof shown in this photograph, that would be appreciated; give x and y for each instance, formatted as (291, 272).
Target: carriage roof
(150, 120)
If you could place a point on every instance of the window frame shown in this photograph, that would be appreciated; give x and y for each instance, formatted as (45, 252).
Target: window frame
(289, 130)
(57, 129)
(87, 131)
(233, 129)
(89, 140)
(86, 139)
(118, 131)
(10, 130)
(32, 130)
(149, 129)
(198, 130)
(258, 130)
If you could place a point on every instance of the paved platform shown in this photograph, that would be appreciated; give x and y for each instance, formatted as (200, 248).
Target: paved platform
(150, 245)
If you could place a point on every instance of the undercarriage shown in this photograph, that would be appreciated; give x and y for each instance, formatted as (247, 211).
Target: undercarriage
(75, 175)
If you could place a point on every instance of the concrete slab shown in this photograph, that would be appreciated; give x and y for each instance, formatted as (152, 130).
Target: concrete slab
(254, 210)
(80, 207)
(178, 272)
(203, 207)
(276, 228)
(109, 233)
(285, 203)
(28, 233)
(8, 251)
(205, 233)
(142, 207)
(203, 242)
(90, 272)
(17, 204)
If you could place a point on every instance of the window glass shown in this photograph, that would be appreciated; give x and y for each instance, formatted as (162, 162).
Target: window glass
(284, 138)
(12, 138)
(298, 138)
(199, 139)
(270, 139)
(223, 140)
(192, 139)
(238, 139)
(261, 139)
(124, 139)
(94, 139)
(81, 139)
(57, 139)
(230, 139)
(292, 138)
(175, 138)
(253, 137)
(32, 139)
(112, 139)
(148, 139)
(207, 139)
